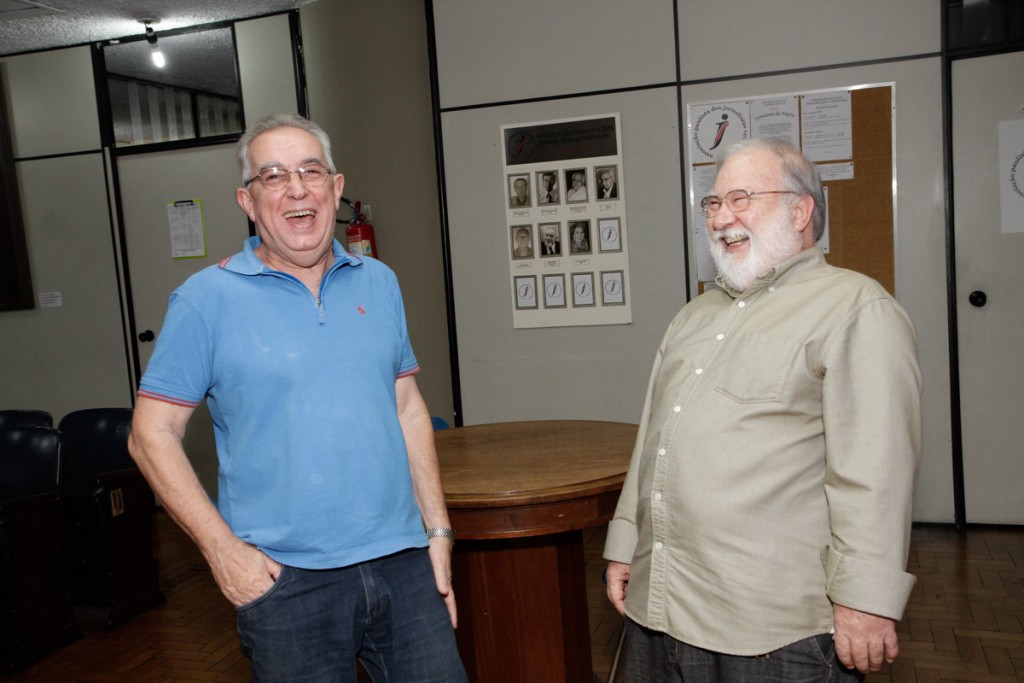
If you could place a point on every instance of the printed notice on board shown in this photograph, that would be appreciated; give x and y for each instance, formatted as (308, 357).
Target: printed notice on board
(827, 128)
(776, 117)
(188, 236)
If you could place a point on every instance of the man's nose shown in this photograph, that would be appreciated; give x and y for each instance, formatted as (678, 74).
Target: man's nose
(295, 187)
(723, 219)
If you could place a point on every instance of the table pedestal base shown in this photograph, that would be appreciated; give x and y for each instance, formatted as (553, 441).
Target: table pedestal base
(523, 609)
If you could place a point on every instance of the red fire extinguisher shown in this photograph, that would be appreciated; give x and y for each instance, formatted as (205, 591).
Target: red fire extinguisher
(359, 234)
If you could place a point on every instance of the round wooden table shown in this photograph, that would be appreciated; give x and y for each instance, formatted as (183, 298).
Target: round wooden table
(519, 495)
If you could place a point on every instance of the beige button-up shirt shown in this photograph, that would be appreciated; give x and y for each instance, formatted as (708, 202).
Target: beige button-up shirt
(774, 467)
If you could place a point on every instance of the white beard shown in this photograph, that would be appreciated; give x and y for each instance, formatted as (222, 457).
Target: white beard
(776, 243)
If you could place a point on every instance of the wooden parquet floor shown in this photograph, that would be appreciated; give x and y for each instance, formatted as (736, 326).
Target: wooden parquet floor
(189, 638)
(964, 623)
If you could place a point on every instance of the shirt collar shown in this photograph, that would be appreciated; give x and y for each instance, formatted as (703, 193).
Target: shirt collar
(246, 262)
(782, 272)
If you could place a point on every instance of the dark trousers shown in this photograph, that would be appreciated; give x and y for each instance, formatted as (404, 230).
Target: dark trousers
(313, 624)
(654, 657)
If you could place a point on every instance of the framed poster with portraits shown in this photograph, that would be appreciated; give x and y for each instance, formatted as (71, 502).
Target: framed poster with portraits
(565, 199)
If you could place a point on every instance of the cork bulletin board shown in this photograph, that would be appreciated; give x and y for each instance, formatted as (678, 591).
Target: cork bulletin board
(848, 132)
(860, 210)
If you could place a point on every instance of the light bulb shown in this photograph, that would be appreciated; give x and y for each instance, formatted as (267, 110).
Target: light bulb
(158, 56)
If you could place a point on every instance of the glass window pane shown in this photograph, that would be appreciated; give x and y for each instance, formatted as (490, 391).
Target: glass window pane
(196, 94)
(985, 23)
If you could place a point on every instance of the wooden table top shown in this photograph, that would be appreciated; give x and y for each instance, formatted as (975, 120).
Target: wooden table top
(536, 462)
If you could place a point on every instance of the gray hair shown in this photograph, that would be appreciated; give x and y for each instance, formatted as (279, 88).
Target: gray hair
(274, 122)
(798, 173)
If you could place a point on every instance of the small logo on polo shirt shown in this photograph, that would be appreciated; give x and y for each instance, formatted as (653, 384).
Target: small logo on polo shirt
(362, 311)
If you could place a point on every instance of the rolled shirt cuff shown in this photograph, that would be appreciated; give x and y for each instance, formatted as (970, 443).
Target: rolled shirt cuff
(865, 586)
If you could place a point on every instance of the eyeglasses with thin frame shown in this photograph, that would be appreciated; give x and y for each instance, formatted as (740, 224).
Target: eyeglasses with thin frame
(276, 178)
(734, 200)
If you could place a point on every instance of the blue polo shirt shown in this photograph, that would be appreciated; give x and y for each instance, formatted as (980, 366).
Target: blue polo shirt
(313, 467)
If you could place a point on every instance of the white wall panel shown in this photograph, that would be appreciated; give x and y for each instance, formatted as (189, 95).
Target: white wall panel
(730, 37)
(70, 356)
(265, 66)
(43, 90)
(489, 51)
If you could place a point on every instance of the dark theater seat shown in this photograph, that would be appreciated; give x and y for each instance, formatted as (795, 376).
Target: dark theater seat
(25, 418)
(109, 511)
(35, 609)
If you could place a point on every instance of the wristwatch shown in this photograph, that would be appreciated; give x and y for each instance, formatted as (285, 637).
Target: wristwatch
(442, 531)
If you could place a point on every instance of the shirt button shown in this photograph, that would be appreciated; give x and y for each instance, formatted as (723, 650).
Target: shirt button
(720, 337)
(657, 546)
(677, 409)
(661, 451)
(771, 289)
(657, 496)
(741, 304)
(699, 371)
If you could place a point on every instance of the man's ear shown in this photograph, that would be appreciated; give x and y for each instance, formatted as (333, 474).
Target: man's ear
(339, 185)
(244, 200)
(803, 213)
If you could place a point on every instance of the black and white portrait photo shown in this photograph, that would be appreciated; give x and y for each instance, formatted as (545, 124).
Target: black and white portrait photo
(547, 188)
(550, 239)
(522, 241)
(607, 182)
(576, 185)
(519, 191)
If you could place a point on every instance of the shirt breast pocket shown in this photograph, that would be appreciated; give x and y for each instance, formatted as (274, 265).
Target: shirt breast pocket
(758, 369)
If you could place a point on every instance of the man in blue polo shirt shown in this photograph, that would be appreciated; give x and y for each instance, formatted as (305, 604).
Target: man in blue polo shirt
(330, 535)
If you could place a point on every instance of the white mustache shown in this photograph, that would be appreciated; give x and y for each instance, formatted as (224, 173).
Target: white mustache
(730, 235)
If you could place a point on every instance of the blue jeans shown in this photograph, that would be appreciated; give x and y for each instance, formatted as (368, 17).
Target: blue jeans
(654, 657)
(312, 625)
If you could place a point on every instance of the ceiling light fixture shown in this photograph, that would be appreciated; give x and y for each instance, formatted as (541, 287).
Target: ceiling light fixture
(158, 56)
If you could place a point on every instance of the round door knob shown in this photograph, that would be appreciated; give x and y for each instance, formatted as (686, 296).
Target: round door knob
(147, 336)
(977, 298)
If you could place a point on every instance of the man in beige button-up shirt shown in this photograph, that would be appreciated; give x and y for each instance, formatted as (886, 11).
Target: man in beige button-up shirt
(764, 524)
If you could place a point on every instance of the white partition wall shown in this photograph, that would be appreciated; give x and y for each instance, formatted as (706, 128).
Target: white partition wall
(70, 353)
(596, 372)
(496, 52)
(265, 57)
(42, 88)
(499, 67)
(722, 38)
